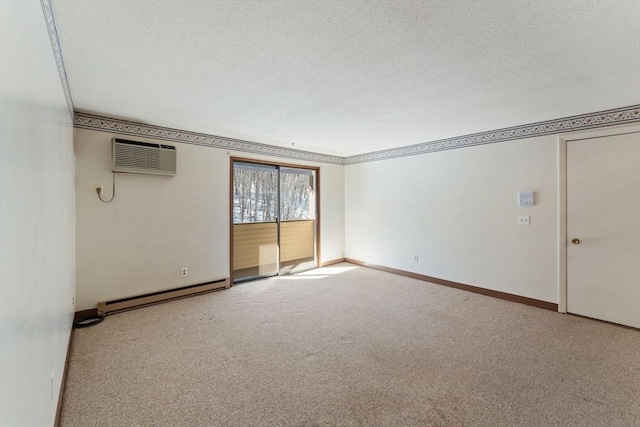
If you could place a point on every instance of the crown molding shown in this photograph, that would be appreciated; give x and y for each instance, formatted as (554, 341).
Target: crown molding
(124, 127)
(47, 10)
(600, 119)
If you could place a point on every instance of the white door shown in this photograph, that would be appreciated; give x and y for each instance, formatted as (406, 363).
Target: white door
(603, 228)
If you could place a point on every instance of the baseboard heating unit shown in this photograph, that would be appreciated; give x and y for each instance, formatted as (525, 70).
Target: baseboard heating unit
(118, 305)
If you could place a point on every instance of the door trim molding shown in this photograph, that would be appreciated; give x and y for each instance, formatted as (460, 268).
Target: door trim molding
(562, 225)
(562, 198)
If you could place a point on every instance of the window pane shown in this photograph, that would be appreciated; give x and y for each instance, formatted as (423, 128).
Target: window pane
(255, 193)
(297, 194)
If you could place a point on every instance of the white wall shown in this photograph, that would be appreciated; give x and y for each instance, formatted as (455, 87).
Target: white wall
(457, 211)
(331, 212)
(156, 225)
(36, 219)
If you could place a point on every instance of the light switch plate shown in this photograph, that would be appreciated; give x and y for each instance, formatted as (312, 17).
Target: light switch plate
(525, 198)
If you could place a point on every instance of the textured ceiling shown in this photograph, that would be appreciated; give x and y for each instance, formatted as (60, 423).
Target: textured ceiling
(346, 78)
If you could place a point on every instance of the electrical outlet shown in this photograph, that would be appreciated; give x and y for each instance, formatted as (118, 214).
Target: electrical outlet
(185, 273)
(99, 188)
(415, 258)
(523, 220)
(73, 300)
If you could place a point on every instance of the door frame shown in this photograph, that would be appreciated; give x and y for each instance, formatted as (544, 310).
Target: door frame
(562, 198)
(279, 165)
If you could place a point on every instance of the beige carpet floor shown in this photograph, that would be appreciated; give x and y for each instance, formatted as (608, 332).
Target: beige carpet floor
(351, 346)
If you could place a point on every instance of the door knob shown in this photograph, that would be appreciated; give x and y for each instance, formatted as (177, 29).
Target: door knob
(575, 241)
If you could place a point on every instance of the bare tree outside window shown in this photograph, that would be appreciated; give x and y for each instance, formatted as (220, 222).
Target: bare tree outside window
(255, 195)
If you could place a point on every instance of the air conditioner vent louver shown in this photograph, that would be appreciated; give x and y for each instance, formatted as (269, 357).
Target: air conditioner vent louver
(143, 157)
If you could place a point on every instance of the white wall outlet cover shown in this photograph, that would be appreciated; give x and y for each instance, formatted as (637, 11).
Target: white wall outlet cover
(525, 198)
(523, 220)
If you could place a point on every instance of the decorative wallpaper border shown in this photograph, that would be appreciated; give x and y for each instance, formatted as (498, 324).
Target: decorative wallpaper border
(600, 119)
(47, 10)
(124, 127)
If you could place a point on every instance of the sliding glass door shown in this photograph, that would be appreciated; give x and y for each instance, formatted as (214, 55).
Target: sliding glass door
(298, 223)
(255, 220)
(274, 220)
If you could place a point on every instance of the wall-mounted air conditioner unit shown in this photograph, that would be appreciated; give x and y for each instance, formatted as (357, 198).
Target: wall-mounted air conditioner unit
(143, 157)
